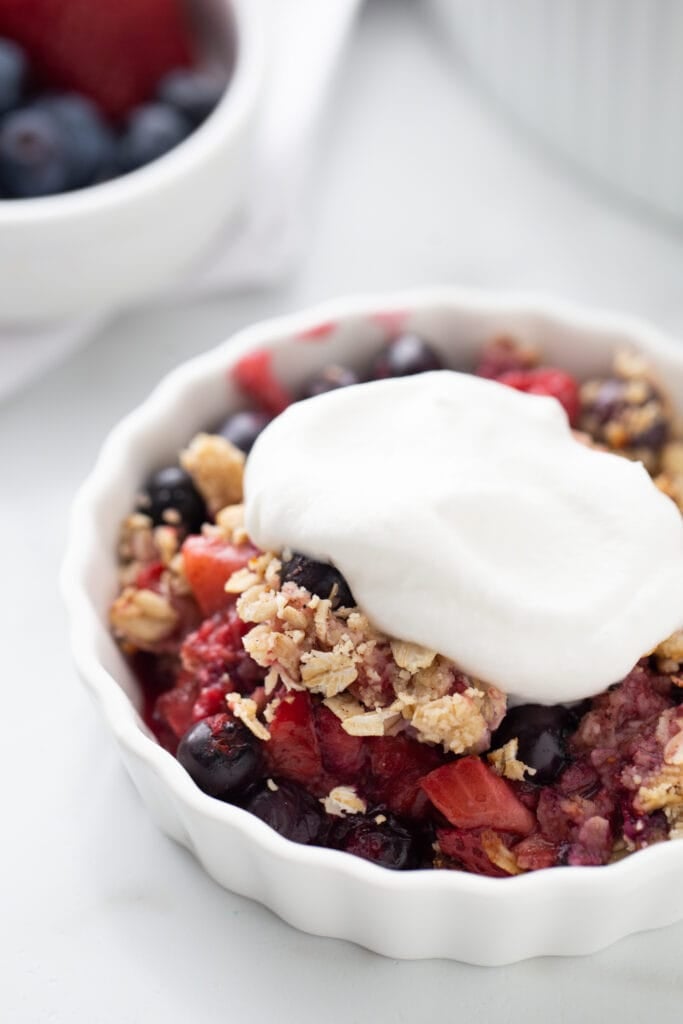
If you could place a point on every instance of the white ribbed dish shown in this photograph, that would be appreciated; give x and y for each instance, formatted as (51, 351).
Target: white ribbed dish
(419, 914)
(601, 81)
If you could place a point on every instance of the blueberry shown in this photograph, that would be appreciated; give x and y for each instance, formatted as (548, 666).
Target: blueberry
(290, 810)
(406, 355)
(34, 154)
(13, 72)
(171, 497)
(329, 379)
(194, 94)
(151, 131)
(379, 837)
(242, 428)
(318, 578)
(221, 756)
(91, 145)
(609, 399)
(541, 731)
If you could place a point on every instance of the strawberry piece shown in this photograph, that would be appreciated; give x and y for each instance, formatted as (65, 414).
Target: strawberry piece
(397, 766)
(535, 852)
(293, 751)
(149, 576)
(113, 52)
(209, 563)
(470, 795)
(550, 382)
(466, 848)
(211, 700)
(173, 709)
(254, 376)
(343, 756)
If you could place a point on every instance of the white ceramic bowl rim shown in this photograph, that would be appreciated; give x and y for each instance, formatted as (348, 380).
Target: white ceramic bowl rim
(86, 625)
(233, 109)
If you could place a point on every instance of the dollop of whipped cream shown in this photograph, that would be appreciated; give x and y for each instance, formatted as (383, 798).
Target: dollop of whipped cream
(467, 518)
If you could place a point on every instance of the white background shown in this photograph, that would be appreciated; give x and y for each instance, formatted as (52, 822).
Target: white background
(102, 918)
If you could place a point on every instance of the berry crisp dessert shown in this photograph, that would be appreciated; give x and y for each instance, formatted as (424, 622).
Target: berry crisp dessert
(278, 691)
(91, 91)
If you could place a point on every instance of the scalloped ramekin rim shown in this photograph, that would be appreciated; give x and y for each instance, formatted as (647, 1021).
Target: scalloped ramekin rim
(85, 624)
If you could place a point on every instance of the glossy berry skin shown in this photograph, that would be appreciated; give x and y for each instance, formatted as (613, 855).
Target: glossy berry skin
(90, 141)
(113, 52)
(13, 71)
(470, 795)
(541, 731)
(242, 428)
(170, 497)
(34, 155)
(404, 356)
(329, 379)
(318, 578)
(194, 94)
(550, 382)
(290, 810)
(389, 843)
(221, 756)
(151, 131)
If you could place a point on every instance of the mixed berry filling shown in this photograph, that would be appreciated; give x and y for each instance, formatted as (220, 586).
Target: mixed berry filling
(92, 91)
(278, 694)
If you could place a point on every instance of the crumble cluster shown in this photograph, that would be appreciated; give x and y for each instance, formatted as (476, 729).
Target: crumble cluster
(375, 685)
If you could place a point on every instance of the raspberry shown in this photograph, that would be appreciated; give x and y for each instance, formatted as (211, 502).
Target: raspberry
(547, 381)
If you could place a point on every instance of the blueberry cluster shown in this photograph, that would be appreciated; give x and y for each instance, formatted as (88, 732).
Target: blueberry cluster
(52, 142)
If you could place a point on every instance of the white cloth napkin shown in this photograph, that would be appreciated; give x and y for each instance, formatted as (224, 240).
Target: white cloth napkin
(304, 39)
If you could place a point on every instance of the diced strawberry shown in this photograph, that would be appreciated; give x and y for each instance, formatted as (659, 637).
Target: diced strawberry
(113, 52)
(550, 382)
(209, 563)
(149, 576)
(344, 757)
(397, 766)
(254, 376)
(466, 848)
(173, 709)
(470, 795)
(293, 751)
(535, 852)
(211, 700)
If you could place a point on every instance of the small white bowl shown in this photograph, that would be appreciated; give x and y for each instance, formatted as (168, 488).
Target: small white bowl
(451, 914)
(110, 245)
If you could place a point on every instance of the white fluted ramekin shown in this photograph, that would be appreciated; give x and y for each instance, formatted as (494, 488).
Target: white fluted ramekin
(600, 81)
(569, 910)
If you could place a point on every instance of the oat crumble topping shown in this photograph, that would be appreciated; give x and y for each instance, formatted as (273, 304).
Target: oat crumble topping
(344, 800)
(217, 470)
(305, 644)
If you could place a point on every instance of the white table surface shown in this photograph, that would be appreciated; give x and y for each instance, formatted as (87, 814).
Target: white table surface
(104, 919)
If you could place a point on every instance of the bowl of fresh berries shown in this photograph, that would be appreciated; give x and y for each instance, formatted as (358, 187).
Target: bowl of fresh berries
(124, 146)
(383, 604)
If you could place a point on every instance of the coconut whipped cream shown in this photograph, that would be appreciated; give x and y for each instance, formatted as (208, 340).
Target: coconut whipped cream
(466, 518)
